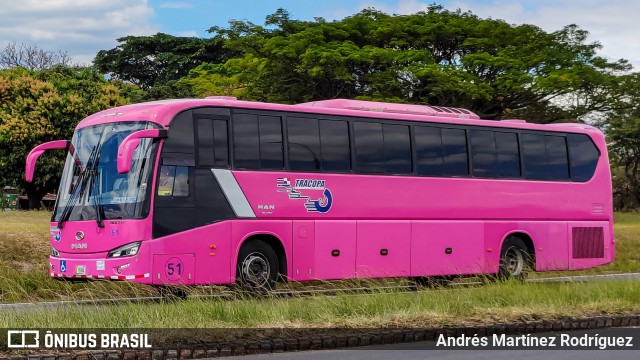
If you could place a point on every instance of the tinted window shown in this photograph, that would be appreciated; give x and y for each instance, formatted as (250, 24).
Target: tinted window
(584, 157)
(304, 144)
(454, 149)
(557, 159)
(483, 153)
(270, 142)
(545, 157)
(205, 142)
(166, 180)
(246, 150)
(180, 139)
(212, 143)
(429, 159)
(508, 155)
(220, 143)
(334, 142)
(173, 181)
(534, 155)
(181, 185)
(369, 147)
(397, 149)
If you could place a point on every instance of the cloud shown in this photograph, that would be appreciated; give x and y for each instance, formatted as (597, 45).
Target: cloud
(187, 33)
(81, 27)
(176, 5)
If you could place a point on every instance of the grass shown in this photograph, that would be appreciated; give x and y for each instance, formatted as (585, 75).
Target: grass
(494, 303)
(24, 277)
(24, 273)
(627, 235)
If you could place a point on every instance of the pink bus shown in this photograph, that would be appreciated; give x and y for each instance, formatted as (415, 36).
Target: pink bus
(217, 191)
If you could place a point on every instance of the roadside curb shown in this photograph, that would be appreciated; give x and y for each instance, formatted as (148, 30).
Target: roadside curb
(336, 338)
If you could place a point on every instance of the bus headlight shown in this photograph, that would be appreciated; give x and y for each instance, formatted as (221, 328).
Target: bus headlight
(54, 252)
(125, 250)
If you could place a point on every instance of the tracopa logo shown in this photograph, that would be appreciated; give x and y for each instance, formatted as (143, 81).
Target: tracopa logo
(23, 339)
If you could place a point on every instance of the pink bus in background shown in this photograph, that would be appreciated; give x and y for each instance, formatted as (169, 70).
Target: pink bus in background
(217, 191)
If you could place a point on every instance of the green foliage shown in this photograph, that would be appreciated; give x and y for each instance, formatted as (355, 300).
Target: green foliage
(436, 57)
(623, 135)
(36, 107)
(155, 63)
(215, 79)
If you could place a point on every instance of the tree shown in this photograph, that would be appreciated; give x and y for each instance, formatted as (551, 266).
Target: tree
(37, 107)
(437, 57)
(31, 57)
(623, 137)
(155, 63)
(214, 79)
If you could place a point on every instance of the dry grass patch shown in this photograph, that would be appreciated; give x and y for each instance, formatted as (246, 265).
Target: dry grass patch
(24, 251)
(496, 303)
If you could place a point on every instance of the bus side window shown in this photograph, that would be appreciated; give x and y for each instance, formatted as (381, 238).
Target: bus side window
(369, 143)
(271, 151)
(557, 157)
(545, 157)
(508, 152)
(304, 144)
(483, 153)
(181, 184)
(334, 145)
(165, 184)
(429, 157)
(174, 181)
(397, 149)
(212, 143)
(584, 157)
(454, 150)
(534, 155)
(246, 141)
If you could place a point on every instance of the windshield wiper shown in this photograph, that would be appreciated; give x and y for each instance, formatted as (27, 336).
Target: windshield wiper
(97, 205)
(79, 191)
(86, 176)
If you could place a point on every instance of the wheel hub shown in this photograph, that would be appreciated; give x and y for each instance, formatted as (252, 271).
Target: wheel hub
(515, 261)
(256, 270)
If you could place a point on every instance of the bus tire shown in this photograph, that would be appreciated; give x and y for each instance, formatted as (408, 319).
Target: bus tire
(515, 260)
(257, 267)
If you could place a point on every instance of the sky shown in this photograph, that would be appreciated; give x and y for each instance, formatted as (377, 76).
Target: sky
(83, 27)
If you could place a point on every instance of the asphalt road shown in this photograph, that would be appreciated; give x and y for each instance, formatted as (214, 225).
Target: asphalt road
(414, 351)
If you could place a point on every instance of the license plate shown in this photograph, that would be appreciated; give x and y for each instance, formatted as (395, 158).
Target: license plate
(81, 270)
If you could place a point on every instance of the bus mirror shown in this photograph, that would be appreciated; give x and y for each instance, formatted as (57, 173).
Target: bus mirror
(35, 153)
(130, 143)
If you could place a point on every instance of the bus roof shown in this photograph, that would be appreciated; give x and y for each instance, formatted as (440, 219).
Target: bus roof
(163, 111)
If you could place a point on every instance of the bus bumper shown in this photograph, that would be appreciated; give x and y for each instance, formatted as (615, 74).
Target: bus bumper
(87, 267)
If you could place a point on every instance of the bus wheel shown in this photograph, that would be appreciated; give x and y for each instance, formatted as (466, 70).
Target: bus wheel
(515, 260)
(257, 266)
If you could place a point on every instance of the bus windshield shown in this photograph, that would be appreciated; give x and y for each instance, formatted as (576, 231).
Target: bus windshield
(93, 152)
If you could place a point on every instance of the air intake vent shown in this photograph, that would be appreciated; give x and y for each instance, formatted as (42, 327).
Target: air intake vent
(588, 243)
(411, 109)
